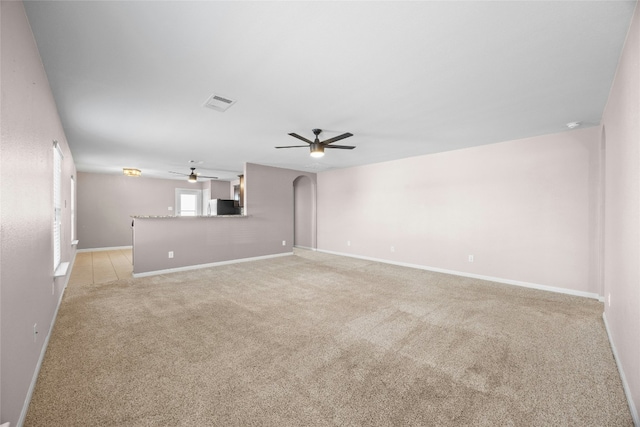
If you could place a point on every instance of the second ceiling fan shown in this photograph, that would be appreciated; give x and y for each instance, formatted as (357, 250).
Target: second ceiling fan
(193, 176)
(317, 147)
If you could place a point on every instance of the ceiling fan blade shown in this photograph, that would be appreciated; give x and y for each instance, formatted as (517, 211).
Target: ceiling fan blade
(343, 147)
(302, 138)
(337, 138)
(205, 176)
(294, 146)
(179, 173)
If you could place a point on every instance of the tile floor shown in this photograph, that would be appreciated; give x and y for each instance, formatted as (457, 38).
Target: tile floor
(101, 266)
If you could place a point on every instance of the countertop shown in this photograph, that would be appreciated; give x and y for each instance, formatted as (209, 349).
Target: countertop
(185, 217)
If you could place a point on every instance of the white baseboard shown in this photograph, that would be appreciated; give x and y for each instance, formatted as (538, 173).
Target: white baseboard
(34, 379)
(112, 248)
(212, 264)
(625, 384)
(474, 276)
(304, 247)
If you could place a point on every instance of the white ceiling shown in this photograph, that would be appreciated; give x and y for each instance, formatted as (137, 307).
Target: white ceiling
(406, 78)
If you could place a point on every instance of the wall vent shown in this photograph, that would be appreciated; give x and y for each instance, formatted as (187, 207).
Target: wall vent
(219, 103)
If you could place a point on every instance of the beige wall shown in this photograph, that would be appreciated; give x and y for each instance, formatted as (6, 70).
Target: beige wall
(622, 214)
(29, 293)
(522, 208)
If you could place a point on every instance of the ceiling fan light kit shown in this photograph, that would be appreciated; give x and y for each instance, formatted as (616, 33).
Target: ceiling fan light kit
(317, 147)
(317, 150)
(131, 172)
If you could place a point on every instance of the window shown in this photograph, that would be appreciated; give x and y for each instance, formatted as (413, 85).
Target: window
(188, 202)
(57, 203)
(73, 208)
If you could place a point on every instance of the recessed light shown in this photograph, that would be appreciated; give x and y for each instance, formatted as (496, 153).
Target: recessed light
(573, 125)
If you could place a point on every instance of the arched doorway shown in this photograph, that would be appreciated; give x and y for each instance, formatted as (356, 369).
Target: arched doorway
(304, 213)
(600, 215)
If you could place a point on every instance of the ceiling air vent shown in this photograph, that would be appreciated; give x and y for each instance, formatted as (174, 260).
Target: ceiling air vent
(219, 103)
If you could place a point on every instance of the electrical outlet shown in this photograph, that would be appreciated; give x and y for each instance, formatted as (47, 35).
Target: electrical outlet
(284, 243)
(470, 258)
(170, 254)
(393, 248)
(170, 208)
(348, 242)
(35, 332)
(609, 299)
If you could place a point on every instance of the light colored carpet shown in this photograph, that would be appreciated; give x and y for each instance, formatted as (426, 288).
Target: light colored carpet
(320, 340)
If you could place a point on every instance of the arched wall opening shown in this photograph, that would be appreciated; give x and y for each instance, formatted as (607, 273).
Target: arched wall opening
(304, 213)
(600, 213)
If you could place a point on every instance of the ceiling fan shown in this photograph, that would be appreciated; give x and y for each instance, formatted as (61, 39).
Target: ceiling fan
(317, 147)
(193, 176)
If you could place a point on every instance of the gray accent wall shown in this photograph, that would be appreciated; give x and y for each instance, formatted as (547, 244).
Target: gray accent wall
(29, 294)
(266, 230)
(107, 202)
(304, 213)
(221, 190)
(215, 189)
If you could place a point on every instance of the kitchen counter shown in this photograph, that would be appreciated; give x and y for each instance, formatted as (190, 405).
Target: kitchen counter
(168, 243)
(177, 216)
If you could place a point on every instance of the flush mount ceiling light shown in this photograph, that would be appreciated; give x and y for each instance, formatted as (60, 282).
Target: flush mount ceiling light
(131, 172)
(573, 125)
